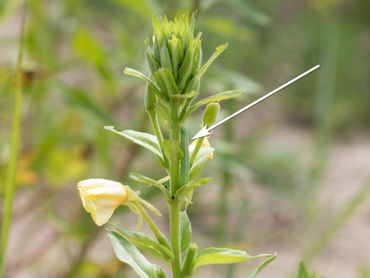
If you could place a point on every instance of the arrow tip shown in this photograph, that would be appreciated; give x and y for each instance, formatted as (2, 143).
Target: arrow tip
(202, 133)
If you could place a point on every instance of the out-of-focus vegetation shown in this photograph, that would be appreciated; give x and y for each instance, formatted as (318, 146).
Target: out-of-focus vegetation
(273, 160)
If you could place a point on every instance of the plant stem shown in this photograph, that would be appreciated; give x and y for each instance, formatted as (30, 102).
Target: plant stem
(175, 237)
(12, 168)
(174, 208)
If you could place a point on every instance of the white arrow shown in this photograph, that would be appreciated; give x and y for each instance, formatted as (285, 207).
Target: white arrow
(207, 131)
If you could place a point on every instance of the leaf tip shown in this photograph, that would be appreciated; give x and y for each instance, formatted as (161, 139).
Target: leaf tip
(109, 127)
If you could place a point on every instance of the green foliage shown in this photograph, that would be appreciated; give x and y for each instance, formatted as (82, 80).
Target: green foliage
(143, 139)
(146, 243)
(185, 231)
(303, 272)
(224, 256)
(128, 254)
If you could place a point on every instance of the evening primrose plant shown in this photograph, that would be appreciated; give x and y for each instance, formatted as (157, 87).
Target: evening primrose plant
(174, 56)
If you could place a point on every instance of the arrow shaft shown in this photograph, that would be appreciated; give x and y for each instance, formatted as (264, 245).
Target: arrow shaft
(262, 98)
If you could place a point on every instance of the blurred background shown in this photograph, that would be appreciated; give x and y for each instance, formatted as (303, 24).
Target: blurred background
(290, 176)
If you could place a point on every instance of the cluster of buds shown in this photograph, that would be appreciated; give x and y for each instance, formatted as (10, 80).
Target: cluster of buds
(174, 56)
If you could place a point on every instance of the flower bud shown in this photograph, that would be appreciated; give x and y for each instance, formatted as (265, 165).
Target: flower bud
(204, 146)
(174, 49)
(210, 113)
(100, 197)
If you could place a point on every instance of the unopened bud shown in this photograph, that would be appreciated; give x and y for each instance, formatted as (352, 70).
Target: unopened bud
(210, 113)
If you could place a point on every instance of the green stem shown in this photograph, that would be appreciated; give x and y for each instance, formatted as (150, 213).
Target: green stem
(174, 208)
(175, 238)
(12, 168)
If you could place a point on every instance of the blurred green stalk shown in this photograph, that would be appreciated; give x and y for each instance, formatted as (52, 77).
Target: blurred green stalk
(10, 183)
(338, 222)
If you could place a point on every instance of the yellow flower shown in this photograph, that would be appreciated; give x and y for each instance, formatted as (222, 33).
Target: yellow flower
(206, 146)
(100, 197)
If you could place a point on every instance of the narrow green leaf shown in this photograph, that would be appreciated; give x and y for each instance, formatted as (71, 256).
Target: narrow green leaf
(187, 188)
(149, 181)
(185, 231)
(302, 272)
(216, 98)
(143, 139)
(129, 254)
(269, 259)
(215, 255)
(218, 51)
(133, 72)
(145, 243)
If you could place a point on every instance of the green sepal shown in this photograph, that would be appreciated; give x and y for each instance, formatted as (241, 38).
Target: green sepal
(176, 51)
(166, 82)
(149, 55)
(188, 64)
(165, 58)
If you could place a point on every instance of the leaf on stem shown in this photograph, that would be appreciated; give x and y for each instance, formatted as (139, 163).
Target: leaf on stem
(216, 98)
(266, 262)
(133, 72)
(218, 51)
(183, 191)
(145, 243)
(185, 231)
(149, 181)
(215, 255)
(143, 139)
(129, 254)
